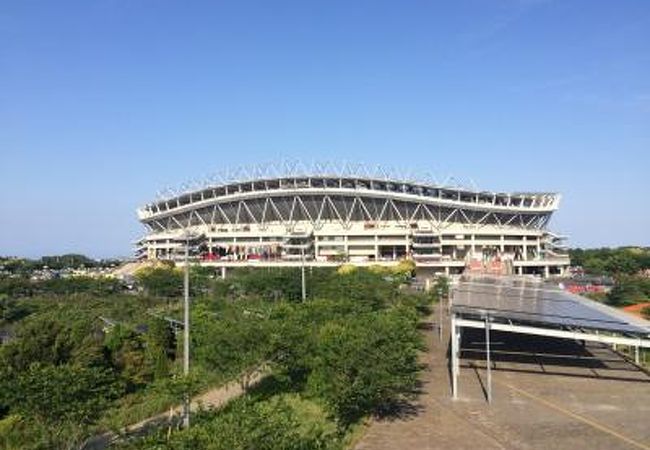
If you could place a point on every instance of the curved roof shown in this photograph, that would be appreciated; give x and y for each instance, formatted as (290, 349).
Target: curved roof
(351, 180)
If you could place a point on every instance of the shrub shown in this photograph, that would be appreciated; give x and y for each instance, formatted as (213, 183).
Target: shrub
(161, 281)
(367, 364)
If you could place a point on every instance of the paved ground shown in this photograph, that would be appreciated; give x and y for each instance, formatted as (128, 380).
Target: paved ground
(567, 397)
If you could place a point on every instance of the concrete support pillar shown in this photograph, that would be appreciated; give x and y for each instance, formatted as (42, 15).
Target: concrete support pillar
(223, 272)
(547, 272)
(447, 270)
(520, 270)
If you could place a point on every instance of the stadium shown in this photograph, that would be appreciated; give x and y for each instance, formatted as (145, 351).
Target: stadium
(324, 215)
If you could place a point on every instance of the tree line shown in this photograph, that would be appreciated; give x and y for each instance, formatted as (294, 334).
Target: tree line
(626, 265)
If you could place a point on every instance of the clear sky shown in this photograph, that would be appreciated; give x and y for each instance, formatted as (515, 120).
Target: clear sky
(105, 102)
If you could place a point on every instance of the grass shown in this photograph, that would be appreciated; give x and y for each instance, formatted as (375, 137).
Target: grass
(152, 400)
(312, 414)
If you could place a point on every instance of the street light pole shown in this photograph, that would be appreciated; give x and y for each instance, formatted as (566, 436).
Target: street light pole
(302, 268)
(488, 362)
(186, 330)
(440, 312)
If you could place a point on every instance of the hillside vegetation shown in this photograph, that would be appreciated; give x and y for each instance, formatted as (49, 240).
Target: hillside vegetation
(84, 355)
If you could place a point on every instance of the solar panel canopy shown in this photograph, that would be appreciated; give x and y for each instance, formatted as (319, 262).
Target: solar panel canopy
(524, 300)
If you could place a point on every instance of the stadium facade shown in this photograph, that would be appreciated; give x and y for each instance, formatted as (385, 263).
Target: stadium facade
(325, 216)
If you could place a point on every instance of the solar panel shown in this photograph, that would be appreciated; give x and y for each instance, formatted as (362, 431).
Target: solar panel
(519, 299)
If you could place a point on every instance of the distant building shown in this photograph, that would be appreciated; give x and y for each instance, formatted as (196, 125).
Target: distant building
(326, 217)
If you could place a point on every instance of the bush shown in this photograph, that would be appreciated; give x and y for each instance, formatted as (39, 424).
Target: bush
(63, 400)
(645, 312)
(244, 424)
(232, 345)
(629, 290)
(367, 364)
(270, 284)
(161, 281)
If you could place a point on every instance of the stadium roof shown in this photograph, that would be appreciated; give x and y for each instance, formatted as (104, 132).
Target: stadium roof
(342, 169)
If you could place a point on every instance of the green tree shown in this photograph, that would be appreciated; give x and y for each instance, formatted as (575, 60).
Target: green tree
(244, 424)
(64, 399)
(12, 310)
(69, 261)
(127, 354)
(161, 281)
(159, 347)
(367, 364)
(441, 286)
(41, 339)
(611, 261)
(623, 294)
(629, 290)
(232, 345)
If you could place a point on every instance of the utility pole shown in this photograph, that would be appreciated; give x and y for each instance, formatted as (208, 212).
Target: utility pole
(302, 269)
(488, 362)
(186, 330)
(440, 312)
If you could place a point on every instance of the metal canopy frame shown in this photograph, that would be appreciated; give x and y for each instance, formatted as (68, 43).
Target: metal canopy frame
(333, 205)
(636, 334)
(294, 175)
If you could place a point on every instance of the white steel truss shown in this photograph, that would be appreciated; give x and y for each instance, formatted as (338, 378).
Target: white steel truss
(317, 210)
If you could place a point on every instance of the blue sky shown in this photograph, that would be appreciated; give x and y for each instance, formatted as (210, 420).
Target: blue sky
(103, 103)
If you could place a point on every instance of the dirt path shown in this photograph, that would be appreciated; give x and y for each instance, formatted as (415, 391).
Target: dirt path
(213, 398)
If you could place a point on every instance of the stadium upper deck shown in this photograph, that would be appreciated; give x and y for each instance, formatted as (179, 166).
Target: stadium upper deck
(356, 215)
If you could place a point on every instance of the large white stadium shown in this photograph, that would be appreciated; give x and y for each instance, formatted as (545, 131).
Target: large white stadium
(323, 215)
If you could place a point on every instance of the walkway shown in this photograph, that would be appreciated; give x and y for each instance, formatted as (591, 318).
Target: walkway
(547, 394)
(213, 398)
